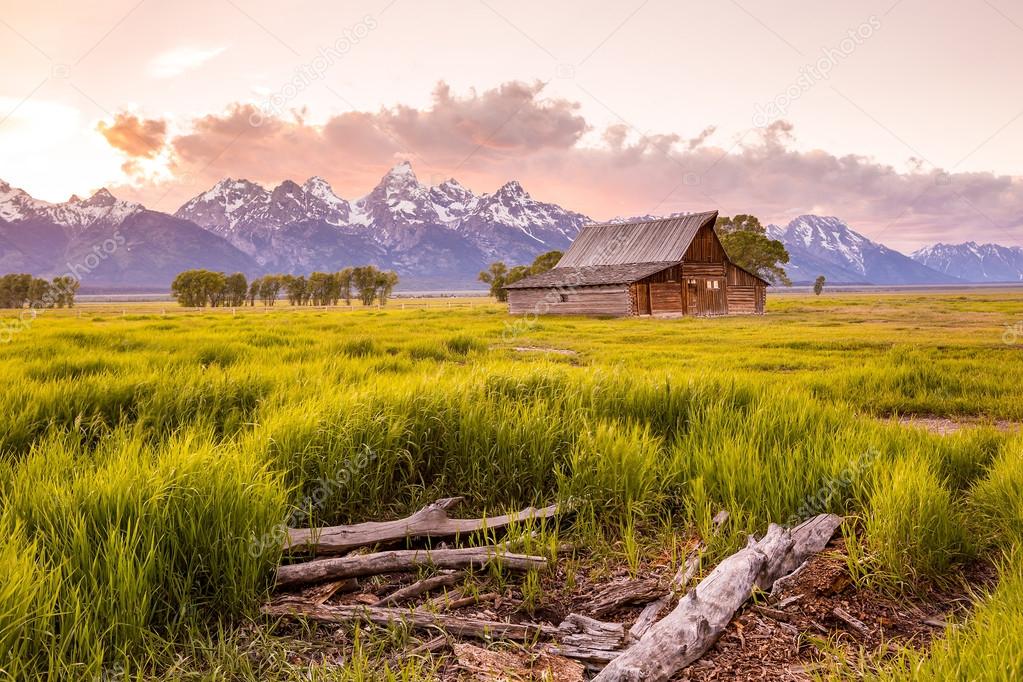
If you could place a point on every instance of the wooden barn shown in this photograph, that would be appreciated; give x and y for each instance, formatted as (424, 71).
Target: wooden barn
(670, 266)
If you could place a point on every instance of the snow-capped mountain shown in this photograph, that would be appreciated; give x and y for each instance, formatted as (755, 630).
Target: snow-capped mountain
(974, 262)
(441, 233)
(510, 224)
(104, 241)
(75, 214)
(825, 245)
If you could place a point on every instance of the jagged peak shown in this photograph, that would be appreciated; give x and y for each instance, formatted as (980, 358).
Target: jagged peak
(512, 187)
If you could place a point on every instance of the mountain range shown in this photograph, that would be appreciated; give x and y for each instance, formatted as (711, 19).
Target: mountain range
(436, 237)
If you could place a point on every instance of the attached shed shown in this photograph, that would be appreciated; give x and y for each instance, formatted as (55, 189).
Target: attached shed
(670, 266)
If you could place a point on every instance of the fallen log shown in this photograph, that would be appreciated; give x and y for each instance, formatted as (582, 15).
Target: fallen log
(378, 615)
(624, 594)
(400, 561)
(420, 587)
(685, 634)
(431, 521)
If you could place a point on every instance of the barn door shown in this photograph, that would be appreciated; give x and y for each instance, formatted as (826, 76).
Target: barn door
(706, 296)
(643, 298)
(692, 295)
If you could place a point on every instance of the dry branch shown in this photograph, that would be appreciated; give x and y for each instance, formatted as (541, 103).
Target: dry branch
(400, 561)
(452, 625)
(431, 521)
(851, 621)
(687, 632)
(421, 587)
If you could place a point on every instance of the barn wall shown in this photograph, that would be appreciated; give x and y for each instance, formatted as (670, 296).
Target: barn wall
(706, 248)
(747, 294)
(742, 300)
(593, 300)
(666, 297)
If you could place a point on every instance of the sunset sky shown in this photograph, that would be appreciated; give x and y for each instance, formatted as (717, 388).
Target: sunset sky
(905, 118)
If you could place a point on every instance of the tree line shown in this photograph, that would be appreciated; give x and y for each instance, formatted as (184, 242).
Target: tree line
(201, 288)
(19, 290)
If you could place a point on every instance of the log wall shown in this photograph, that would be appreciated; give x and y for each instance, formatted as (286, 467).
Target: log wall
(592, 300)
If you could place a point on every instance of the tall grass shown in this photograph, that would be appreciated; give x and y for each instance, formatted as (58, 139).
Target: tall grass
(147, 465)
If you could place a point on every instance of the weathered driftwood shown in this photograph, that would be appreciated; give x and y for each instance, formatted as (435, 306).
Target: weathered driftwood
(647, 618)
(399, 561)
(687, 632)
(686, 572)
(446, 579)
(589, 633)
(623, 594)
(452, 625)
(431, 521)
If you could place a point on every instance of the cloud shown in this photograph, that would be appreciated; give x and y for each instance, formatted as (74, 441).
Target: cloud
(514, 132)
(181, 59)
(136, 137)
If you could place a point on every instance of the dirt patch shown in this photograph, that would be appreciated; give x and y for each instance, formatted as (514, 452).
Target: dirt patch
(775, 640)
(944, 426)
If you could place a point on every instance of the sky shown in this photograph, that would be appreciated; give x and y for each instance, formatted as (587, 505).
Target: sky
(903, 117)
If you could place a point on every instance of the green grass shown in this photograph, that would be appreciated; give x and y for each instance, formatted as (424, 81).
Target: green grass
(148, 461)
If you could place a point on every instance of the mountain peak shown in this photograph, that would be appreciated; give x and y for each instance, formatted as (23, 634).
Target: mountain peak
(512, 188)
(402, 169)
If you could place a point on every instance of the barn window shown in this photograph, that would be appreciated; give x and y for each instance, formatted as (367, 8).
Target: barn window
(710, 285)
(563, 298)
(716, 284)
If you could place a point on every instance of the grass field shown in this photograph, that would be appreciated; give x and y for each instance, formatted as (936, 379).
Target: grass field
(150, 454)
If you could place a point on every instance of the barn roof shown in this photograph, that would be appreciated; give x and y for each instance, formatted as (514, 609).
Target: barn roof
(664, 240)
(589, 275)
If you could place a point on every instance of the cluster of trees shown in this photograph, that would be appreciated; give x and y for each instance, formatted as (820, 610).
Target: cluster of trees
(499, 275)
(200, 288)
(748, 246)
(26, 291)
(818, 284)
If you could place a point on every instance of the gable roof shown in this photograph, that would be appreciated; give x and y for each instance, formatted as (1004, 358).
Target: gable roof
(664, 240)
(589, 275)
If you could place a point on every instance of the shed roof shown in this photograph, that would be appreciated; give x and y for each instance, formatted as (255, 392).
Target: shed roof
(589, 275)
(664, 240)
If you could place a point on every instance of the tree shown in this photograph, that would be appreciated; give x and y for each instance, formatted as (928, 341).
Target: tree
(236, 289)
(818, 285)
(187, 289)
(254, 290)
(746, 242)
(386, 281)
(344, 280)
(545, 262)
(64, 290)
(296, 288)
(14, 290)
(40, 293)
(364, 279)
(270, 289)
(497, 277)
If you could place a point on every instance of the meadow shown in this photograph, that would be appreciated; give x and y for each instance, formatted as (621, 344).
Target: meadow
(149, 455)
